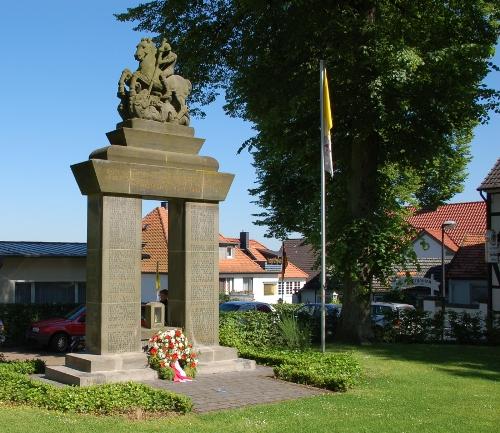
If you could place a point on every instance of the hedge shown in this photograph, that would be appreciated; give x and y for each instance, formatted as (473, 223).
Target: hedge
(17, 387)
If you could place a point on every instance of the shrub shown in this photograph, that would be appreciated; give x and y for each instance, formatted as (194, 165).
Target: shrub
(249, 328)
(17, 387)
(465, 328)
(333, 371)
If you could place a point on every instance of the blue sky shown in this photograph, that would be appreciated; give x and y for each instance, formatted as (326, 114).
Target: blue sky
(60, 66)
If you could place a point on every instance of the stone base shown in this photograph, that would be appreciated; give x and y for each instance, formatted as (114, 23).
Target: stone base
(219, 359)
(84, 369)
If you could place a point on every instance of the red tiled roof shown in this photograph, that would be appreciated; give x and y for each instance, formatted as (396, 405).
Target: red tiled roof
(154, 238)
(293, 271)
(492, 180)
(469, 262)
(470, 218)
(436, 234)
(239, 264)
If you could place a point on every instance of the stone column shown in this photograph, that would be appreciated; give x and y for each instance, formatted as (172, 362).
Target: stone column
(193, 252)
(113, 322)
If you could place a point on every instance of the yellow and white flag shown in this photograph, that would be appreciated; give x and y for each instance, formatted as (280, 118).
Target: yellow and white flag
(327, 126)
(157, 281)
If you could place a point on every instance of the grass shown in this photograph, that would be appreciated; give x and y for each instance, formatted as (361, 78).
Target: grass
(406, 388)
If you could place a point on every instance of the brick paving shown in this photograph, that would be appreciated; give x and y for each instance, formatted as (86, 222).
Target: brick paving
(237, 389)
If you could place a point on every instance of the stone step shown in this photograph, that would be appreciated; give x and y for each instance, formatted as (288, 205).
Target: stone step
(71, 376)
(216, 353)
(226, 366)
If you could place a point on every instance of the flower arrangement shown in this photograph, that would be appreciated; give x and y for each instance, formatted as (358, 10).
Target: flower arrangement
(170, 353)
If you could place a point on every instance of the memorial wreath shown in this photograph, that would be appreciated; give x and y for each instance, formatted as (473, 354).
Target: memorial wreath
(170, 353)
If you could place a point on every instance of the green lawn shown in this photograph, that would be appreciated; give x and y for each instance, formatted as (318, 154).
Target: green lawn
(406, 388)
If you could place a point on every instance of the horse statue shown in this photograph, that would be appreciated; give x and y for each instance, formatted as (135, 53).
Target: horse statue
(154, 91)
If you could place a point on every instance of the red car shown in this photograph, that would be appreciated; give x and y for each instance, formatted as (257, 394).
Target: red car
(57, 333)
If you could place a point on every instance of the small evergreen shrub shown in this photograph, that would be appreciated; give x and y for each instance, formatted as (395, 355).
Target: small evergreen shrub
(333, 371)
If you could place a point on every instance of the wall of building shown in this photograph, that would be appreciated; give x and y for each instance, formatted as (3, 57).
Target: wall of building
(148, 286)
(38, 269)
(426, 246)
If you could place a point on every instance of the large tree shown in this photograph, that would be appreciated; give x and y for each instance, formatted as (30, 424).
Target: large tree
(405, 82)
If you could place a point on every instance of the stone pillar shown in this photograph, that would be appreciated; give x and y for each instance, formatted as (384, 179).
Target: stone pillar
(193, 250)
(113, 323)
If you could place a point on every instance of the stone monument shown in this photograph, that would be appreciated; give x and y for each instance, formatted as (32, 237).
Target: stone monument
(153, 154)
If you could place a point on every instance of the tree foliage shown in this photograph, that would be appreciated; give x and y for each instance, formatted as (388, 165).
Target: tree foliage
(405, 82)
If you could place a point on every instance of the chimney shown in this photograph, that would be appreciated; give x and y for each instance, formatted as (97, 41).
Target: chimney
(163, 204)
(244, 240)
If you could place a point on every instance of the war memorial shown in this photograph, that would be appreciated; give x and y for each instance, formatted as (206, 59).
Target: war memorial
(152, 154)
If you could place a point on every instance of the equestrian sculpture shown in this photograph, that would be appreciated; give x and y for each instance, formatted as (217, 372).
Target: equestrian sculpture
(153, 91)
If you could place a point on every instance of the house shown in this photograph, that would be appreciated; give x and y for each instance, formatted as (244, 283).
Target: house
(490, 190)
(467, 273)
(55, 272)
(42, 272)
(247, 268)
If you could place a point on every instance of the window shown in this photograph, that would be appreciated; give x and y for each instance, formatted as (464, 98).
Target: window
(270, 289)
(280, 288)
(229, 252)
(55, 293)
(23, 293)
(226, 285)
(288, 287)
(82, 293)
(248, 285)
(296, 286)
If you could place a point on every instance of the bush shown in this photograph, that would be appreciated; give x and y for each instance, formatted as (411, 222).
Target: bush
(250, 328)
(17, 387)
(466, 328)
(18, 317)
(333, 371)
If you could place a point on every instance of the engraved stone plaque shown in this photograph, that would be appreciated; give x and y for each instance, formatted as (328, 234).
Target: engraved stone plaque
(202, 272)
(114, 275)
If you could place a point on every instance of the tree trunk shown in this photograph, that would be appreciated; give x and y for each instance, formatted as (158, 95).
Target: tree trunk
(355, 323)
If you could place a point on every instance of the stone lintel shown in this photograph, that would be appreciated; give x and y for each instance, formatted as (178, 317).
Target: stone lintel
(155, 157)
(150, 182)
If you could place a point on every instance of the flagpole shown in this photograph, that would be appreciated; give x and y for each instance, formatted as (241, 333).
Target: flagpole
(323, 238)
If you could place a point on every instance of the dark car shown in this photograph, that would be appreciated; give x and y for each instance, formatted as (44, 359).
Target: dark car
(241, 306)
(311, 314)
(58, 332)
(62, 333)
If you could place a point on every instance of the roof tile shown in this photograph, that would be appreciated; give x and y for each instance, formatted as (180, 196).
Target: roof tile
(470, 218)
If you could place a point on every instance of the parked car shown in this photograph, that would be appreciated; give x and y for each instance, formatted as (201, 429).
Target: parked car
(58, 332)
(241, 306)
(311, 314)
(61, 334)
(2, 332)
(384, 312)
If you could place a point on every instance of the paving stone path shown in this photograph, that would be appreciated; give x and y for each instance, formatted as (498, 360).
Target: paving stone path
(237, 389)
